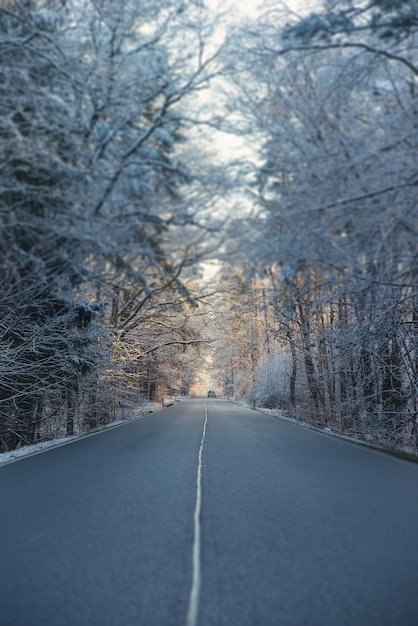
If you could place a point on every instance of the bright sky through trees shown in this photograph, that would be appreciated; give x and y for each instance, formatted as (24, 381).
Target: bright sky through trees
(239, 8)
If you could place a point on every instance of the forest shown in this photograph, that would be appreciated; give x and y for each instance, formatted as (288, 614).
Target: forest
(144, 142)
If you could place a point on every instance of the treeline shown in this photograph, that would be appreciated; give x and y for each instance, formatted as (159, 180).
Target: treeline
(101, 214)
(334, 99)
(108, 201)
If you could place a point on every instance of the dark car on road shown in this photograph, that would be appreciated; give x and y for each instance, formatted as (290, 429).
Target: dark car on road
(211, 394)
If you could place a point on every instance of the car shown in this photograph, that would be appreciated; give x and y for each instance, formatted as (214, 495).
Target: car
(211, 394)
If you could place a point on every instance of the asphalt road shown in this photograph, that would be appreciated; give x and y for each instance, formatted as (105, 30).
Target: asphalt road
(295, 528)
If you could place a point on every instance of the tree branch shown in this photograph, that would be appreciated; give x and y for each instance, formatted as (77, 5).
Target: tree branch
(309, 47)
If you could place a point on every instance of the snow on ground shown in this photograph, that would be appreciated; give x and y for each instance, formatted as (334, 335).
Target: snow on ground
(37, 448)
(405, 453)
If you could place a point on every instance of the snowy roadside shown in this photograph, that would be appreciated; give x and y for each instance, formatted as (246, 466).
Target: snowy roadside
(404, 454)
(37, 448)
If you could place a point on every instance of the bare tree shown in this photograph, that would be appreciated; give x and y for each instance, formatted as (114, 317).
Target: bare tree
(95, 184)
(337, 204)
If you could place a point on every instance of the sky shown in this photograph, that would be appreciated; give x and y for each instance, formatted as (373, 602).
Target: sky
(252, 7)
(226, 146)
(229, 146)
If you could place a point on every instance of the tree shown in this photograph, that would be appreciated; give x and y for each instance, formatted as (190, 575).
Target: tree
(336, 192)
(94, 190)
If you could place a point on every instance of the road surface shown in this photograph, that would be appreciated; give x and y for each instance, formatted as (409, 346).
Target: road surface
(216, 516)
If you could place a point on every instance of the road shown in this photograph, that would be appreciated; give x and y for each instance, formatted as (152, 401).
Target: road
(293, 528)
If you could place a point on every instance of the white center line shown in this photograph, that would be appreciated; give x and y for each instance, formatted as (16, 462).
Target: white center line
(195, 588)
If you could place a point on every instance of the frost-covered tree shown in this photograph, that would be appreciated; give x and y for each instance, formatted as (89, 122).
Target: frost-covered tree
(241, 332)
(94, 190)
(45, 329)
(337, 223)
